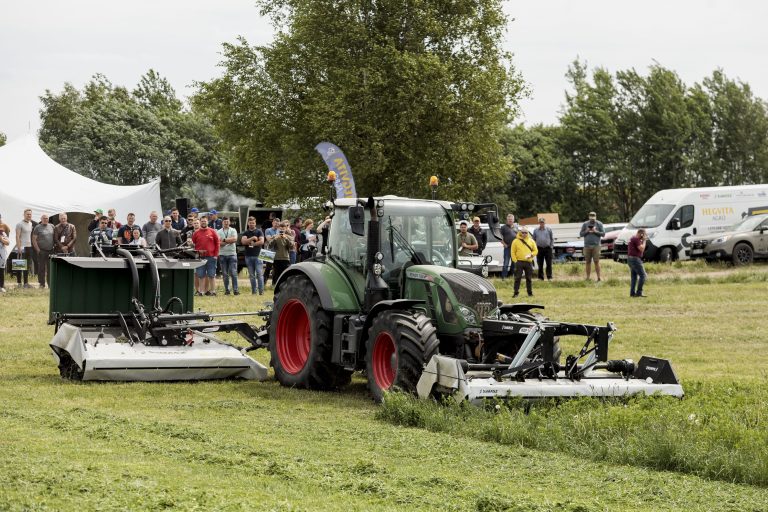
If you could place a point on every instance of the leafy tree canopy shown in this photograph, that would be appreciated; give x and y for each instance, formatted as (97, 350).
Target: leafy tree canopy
(406, 89)
(126, 137)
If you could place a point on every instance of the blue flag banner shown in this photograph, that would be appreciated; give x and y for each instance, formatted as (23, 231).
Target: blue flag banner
(337, 162)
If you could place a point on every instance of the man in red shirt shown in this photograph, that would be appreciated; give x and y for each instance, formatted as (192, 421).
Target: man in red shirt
(206, 243)
(635, 250)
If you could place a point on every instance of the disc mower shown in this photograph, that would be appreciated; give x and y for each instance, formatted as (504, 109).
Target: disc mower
(127, 315)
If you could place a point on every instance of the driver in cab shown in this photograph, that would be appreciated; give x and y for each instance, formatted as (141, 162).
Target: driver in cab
(467, 241)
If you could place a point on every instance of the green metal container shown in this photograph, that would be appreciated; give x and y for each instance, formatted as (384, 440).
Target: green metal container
(103, 285)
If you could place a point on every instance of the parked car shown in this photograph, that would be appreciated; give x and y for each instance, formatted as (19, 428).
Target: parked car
(574, 250)
(741, 244)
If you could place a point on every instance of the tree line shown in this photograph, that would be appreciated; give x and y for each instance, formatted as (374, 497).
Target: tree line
(410, 90)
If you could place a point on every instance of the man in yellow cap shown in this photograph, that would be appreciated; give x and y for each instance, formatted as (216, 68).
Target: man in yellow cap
(523, 254)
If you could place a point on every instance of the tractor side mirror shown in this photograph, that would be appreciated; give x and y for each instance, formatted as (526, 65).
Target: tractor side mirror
(674, 224)
(357, 220)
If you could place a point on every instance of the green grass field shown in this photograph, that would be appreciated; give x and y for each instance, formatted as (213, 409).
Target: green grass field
(238, 445)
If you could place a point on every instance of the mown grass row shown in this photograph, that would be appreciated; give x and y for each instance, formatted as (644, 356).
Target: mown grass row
(719, 431)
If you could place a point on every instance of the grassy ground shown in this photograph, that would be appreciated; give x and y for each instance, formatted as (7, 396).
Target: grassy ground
(257, 446)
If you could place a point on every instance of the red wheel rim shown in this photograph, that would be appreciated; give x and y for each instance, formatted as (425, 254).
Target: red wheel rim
(384, 360)
(293, 336)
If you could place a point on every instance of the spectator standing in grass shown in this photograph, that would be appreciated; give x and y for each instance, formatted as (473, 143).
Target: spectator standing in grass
(480, 235)
(508, 235)
(467, 241)
(545, 244)
(308, 240)
(24, 246)
(4, 243)
(593, 232)
(112, 222)
(186, 233)
(296, 231)
(281, 243)
(150, 229)
(177, 222)
(206, 242)
(637, 275)
(64, 237)
(129, 225)
(42, 241)
(97, 214)
(5, 227)
(253, 240)
(214, 222)
(168, 237)
(523, 253)
(270, 235)
(228, 255)
(136, 238)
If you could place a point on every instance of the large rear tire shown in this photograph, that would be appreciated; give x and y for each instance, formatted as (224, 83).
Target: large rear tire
(300, 339)
(399, 344)
(742, 255)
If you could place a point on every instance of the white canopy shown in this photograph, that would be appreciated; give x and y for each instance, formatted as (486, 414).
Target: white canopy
(29, 178)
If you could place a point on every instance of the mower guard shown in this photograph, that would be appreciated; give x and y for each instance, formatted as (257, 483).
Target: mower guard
(446, 375)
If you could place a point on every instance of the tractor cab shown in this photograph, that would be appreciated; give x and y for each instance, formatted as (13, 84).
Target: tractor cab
(409, 232)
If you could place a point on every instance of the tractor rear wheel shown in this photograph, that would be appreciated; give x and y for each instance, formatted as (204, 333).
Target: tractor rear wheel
(300, 339)
(399, 344)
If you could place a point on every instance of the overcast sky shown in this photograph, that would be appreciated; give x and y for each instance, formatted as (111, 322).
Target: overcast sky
(45, 43)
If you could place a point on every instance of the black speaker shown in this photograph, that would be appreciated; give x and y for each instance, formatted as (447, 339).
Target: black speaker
(182, 204)
(659, 370)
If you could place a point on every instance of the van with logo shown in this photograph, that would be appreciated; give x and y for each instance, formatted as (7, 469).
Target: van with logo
(671, 217)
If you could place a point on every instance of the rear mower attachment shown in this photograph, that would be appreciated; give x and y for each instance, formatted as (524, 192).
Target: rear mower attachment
(104, 330)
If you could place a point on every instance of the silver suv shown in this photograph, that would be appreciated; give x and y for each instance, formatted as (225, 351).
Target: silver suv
(741, 244)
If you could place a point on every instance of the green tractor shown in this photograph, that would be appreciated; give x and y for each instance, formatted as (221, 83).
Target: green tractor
(385, 296)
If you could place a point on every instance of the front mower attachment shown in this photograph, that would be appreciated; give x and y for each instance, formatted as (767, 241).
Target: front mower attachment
(533, 372)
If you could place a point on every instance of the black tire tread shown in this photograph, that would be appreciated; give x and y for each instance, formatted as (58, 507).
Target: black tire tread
(416, 341)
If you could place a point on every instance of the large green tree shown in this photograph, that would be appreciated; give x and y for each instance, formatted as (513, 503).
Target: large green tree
(407, 89)
(126, 137)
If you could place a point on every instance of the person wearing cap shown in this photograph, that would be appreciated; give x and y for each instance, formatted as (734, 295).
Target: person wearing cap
(269, 235)
(508, 235)
(467, 241)
(593, 232)
(168, 237)
(523, 253)
(214, 222)
(480, 235)
(545, 244)
(42, 241)
(97, 214)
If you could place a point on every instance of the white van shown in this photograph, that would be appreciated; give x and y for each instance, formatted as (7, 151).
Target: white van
(671, 216)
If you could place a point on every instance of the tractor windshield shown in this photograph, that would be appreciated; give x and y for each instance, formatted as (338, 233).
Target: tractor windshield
(419, 232)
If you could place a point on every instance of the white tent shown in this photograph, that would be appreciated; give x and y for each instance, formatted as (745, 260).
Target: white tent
(29, 178)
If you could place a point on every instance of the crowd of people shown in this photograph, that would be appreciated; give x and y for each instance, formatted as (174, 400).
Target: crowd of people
(268, 249)
(271, 248)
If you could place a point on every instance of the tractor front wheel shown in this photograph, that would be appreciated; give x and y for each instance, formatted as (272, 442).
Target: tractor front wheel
(300, 339)
(399, 344)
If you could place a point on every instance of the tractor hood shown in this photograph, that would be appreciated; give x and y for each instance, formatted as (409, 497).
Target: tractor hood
(464, 288)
